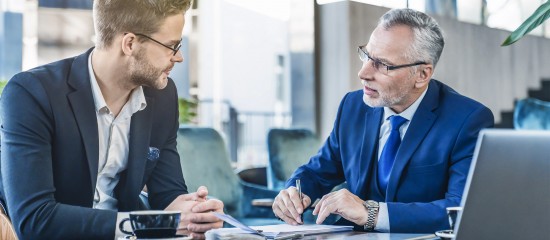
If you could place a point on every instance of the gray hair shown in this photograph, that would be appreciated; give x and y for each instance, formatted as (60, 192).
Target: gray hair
(428, 37)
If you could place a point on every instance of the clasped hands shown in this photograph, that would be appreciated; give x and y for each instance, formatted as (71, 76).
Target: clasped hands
(196, 213)
(287, 206)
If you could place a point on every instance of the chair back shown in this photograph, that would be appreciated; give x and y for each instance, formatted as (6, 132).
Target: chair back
(288, 149)
(205, 162)
(532, 114)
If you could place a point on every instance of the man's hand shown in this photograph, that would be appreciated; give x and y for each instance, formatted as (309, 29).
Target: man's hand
(196, 213)
(343, 203)
(287, 205)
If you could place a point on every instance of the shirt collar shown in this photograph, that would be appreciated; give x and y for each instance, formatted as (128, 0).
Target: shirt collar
(409, 112)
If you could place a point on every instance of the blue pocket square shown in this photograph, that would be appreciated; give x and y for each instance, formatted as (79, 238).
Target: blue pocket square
(153, 154)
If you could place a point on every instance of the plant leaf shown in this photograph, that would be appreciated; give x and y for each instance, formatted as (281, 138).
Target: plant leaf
(537, 18)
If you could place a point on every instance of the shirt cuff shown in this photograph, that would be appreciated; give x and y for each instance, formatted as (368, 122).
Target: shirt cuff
(119, 217)
(383, 222)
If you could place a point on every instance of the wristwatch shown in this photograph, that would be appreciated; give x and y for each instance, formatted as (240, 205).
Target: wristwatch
(372, 211)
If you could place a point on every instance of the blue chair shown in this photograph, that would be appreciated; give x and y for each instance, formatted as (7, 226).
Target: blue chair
(532, 114)
(288, 149)
(205, 162)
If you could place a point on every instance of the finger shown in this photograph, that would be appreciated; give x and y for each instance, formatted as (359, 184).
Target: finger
(292, 203)
(306, 201)
(210, 205)
(295, 199)
(183, 231)
(203, 227)
(200, 218)
(329, 206)
(197, 236)
(317, 207)
(286, 205)
(320, 204)
(188, 197)
(323, 213)
(202, 192)
(280, 214)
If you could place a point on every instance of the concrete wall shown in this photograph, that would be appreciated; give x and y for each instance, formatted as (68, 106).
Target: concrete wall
(472, 62)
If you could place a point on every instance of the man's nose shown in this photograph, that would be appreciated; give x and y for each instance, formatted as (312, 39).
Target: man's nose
(178, 57)
(366, 70)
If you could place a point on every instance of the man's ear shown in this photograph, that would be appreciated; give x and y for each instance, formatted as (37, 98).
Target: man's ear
(424, 75)
(128, 44)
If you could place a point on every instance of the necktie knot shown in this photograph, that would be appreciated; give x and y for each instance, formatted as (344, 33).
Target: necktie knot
(396, 121)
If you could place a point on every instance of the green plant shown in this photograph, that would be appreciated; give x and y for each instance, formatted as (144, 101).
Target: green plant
(2, 84)
(187, 110)
(537, 18)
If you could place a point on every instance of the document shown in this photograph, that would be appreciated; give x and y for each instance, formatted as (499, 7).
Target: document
(279, 231)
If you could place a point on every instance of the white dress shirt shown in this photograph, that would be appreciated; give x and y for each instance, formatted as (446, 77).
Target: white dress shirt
(114, 135)
(383, 222)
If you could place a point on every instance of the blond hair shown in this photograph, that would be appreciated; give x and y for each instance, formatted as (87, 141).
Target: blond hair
(112, 17)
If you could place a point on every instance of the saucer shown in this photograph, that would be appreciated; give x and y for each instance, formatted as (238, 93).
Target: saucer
(445, 234)
(177, 237)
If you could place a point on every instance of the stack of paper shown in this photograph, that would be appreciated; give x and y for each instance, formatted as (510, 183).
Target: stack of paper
(269, 231)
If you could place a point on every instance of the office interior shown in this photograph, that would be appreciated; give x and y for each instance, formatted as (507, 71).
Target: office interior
(252, 66)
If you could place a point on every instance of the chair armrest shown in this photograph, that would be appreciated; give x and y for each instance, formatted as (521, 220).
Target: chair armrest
(252, 192)
(263, 202)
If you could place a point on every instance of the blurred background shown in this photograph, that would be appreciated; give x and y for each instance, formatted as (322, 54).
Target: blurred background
(254, 65)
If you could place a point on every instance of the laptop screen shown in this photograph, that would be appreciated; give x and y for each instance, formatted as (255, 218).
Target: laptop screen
(507, 194)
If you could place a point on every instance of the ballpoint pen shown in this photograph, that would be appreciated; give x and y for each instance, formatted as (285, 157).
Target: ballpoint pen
(299, 187)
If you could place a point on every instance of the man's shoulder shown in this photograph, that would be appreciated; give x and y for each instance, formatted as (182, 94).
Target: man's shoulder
(52, 72)
(456, 106)
(447, 95)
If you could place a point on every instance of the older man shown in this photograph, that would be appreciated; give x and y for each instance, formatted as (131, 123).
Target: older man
(403, 143)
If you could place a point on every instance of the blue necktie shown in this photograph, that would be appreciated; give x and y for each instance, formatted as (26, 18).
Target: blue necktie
(385, 163)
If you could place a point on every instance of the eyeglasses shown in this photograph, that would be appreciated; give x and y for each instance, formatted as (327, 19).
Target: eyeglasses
(379, 65)
(175, 48)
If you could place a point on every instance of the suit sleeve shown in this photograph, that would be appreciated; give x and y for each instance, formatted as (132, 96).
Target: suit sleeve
(166, 181)
(27, 172)
(324, 170)
(431, 216)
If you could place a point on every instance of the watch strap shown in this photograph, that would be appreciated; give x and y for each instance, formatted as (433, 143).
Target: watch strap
(372, 211)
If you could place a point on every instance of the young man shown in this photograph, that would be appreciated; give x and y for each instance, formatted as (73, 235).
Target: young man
(81, 137)
(403, 144)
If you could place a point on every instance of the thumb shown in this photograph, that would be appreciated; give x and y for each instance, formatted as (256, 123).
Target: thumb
(202, 193)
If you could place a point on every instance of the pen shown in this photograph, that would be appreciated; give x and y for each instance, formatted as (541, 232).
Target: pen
(291, 236)
(299, 187)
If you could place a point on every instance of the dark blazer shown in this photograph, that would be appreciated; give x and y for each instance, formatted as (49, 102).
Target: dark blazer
(50, 156)
(431, 165)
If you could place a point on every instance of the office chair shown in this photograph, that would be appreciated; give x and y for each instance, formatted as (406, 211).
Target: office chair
(288, 149)
(532, 114)
(205, 162)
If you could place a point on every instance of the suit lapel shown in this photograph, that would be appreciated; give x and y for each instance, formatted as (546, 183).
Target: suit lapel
(82, 105)
(419, 127)
(140, 133)
(369, 148)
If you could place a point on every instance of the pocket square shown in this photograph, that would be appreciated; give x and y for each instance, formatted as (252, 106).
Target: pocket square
(153, 154)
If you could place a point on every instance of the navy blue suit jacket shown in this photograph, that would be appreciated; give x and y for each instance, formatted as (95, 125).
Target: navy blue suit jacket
(431, 165)
(49, 160)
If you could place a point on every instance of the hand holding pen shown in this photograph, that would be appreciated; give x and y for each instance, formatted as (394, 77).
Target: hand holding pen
(290, 204)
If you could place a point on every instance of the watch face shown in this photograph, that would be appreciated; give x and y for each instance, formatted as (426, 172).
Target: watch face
(371, 203)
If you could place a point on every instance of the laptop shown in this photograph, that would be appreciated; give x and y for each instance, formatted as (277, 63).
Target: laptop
(507, 194)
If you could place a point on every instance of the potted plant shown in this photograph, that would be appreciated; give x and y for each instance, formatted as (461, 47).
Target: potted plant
(187, 111)
(537, 18)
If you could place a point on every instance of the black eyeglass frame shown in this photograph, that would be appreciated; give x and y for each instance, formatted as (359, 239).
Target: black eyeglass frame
(175, 50)
(377, 62)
